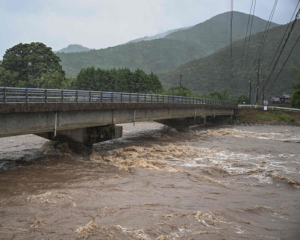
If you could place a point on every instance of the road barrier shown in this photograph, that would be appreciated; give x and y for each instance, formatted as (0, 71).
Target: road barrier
(13, 95)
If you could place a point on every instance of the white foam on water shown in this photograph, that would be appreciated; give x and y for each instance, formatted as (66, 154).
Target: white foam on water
(261, 178)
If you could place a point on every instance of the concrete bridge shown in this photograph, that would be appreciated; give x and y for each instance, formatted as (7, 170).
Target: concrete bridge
(87, 117)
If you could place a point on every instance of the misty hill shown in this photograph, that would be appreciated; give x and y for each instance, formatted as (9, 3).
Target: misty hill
(157, 36)
(72, 48)
(165, 54)
(214, 33)
(217, 72)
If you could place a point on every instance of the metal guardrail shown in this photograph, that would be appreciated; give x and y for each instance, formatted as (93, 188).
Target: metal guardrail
(14, 95)
(269, 107)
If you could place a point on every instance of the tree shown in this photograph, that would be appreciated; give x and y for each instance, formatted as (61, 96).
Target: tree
(297, 84)
(7, 78)
(117, 80)
(295, 99)
(176, 91)
(33, 65)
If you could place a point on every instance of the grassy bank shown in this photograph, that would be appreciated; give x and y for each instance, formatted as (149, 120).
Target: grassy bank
(247, 115)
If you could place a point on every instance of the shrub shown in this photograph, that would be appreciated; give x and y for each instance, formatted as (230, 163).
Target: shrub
(292, 119)
(295, 101)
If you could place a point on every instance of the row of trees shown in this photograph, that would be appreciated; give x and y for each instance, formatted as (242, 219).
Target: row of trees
(34, 65)
(117, 80)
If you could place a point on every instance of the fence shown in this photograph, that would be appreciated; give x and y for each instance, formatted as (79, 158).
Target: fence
(14, 95)
(269, 107)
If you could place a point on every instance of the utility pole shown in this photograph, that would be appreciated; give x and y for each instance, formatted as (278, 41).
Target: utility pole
(263, 91)
(257, 84)
(180, 83)
(250, 90)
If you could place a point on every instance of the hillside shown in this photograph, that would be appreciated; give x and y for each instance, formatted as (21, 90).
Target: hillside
(214, 33)
(165, 54)
(157, 36)
(72, 48)
(217, 72)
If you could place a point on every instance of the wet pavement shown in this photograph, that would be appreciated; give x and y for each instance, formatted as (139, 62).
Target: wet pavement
(215, 182)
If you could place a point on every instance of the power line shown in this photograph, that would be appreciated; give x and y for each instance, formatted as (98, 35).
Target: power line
(231, 18)
(284, 34)
(286, 40)
(285, 61)
(227, 21)
(260, 49)
(250, 31)
(247, 31)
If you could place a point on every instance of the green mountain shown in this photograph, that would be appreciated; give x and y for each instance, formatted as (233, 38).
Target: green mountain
(157, 36)
(219, 71)
(72, 48)
(214, 33)
(165, 54)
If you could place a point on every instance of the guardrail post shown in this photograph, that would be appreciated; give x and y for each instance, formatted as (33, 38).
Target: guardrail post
(45, 95)
(181, 99)
(26, 95)
(101, 96)
(62, 95)
(90, 96)
(138, 97)
(4, 95)
(151, 98)
(145, 97)
(157, 97)
(76, 96)
(130, 96)
(121, 97)
(168, 98)
(163, 98)
(112, 97)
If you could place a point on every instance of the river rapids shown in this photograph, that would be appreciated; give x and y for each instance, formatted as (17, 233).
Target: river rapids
(215, 182)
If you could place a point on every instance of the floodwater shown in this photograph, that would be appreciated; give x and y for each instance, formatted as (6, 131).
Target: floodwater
(221, 182)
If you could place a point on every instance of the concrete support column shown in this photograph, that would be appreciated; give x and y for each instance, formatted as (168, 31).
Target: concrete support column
(181, 124)
(83, 138)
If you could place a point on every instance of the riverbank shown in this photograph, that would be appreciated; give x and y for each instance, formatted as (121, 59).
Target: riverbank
(250, 116)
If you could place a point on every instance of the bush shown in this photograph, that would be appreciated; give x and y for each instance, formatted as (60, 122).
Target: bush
(295, 101)
(292, 119)
(282, 118)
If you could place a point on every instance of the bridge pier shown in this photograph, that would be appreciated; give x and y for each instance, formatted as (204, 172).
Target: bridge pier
(81, 140)
(182, 124)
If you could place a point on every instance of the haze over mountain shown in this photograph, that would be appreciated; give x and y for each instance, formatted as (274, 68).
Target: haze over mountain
(72, 48)
(165, 54)
(157, 36)
(217, 72)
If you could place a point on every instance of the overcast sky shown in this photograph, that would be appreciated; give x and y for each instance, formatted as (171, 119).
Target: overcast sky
(103, 23)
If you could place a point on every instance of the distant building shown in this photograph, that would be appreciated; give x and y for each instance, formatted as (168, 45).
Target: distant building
(285, 97)
(274, 99)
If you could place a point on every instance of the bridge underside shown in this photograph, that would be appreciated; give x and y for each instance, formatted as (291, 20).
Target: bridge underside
(88, 123)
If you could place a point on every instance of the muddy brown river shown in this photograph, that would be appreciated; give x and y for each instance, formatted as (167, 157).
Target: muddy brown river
(215, 182)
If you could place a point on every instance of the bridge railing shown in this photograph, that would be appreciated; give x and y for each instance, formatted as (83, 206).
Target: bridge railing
(14, 95)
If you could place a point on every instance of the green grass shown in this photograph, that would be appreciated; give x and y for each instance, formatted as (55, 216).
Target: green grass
(259, 116)
(274, 116)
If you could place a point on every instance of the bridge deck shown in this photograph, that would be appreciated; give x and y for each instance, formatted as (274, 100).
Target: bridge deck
(19, 115)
